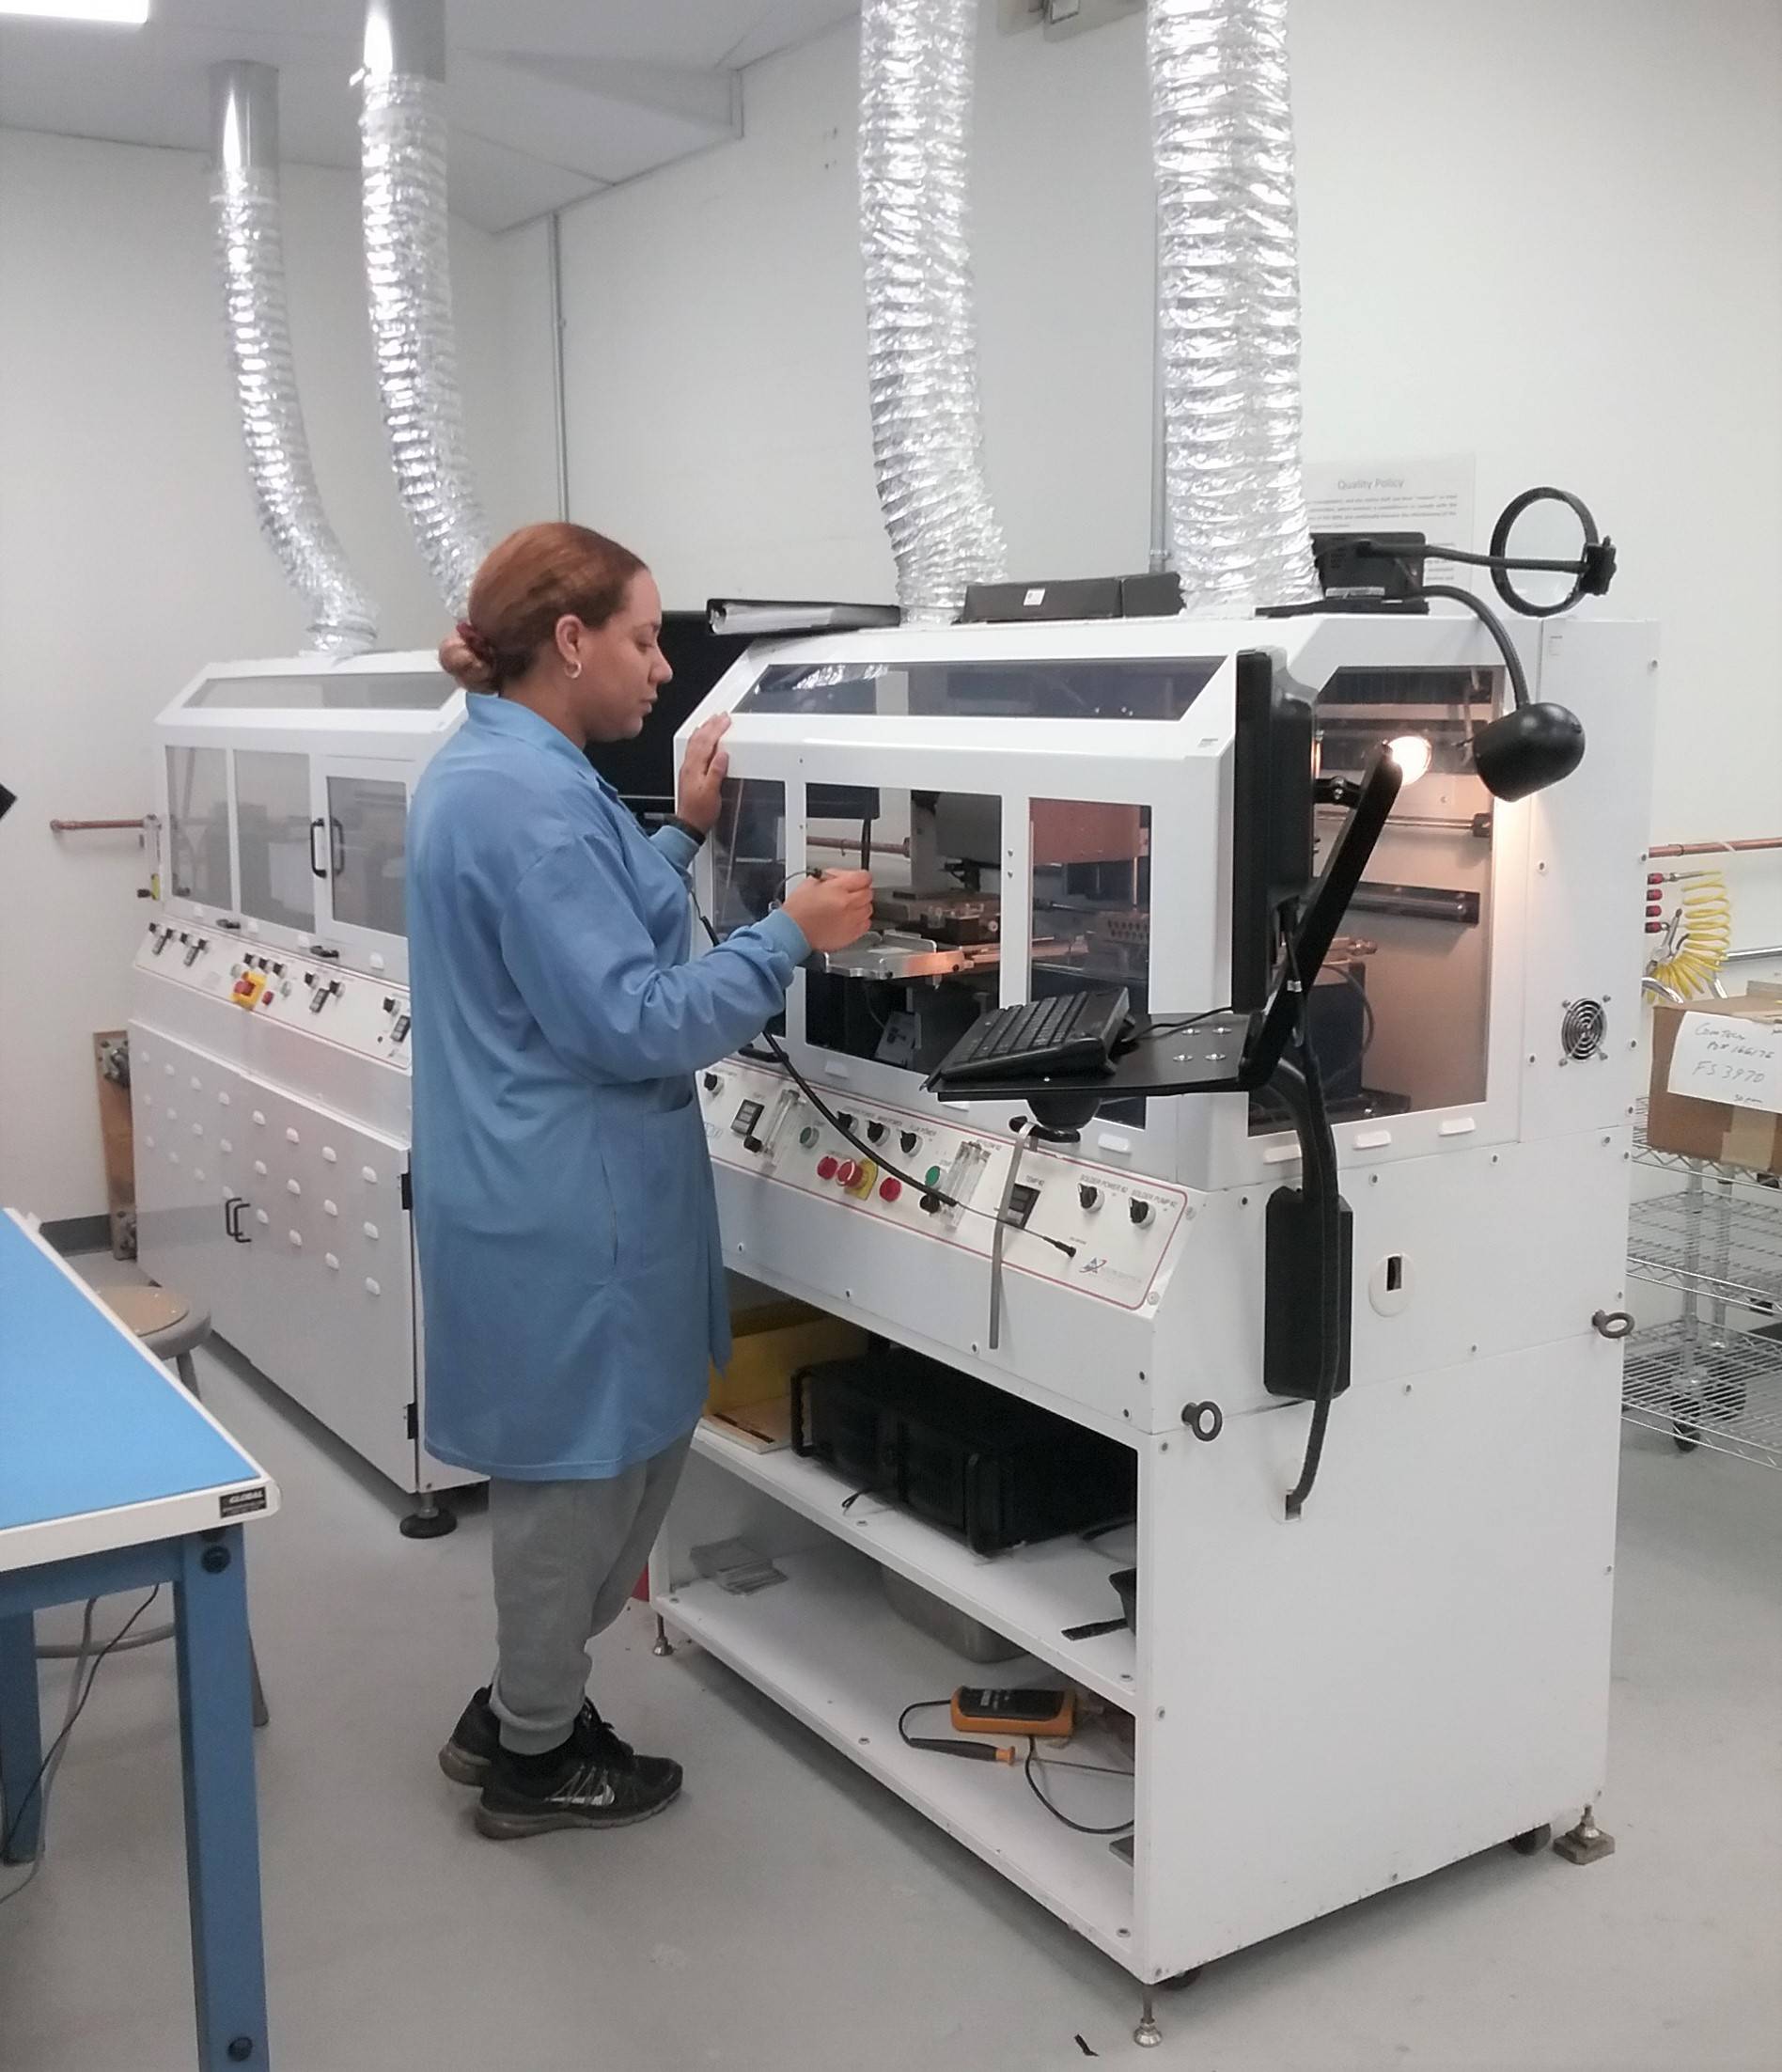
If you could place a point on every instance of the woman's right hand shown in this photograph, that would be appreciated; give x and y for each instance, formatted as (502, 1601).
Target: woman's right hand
(834, 910)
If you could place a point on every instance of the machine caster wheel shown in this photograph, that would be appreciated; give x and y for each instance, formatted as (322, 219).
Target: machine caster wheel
(1533, 1842)
(1684, 1437)
(432, 1521)
(1182, 1980)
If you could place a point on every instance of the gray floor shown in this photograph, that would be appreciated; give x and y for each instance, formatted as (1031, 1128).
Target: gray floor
(788, 1914)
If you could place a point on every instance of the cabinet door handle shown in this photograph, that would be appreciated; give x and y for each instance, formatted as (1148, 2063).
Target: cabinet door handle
(316, 869)
(232, 1219)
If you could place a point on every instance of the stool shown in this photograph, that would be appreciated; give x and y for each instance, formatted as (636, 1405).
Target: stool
(170, 1328)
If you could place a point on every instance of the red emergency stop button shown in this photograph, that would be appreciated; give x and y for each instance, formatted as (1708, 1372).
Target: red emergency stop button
(849, 1172)
(825, 1168)
(890, 1190)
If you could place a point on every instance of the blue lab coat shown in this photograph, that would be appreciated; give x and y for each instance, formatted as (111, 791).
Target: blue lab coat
(571, 1281)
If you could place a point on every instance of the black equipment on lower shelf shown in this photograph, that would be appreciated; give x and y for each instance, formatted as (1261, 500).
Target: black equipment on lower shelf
(957, 1452)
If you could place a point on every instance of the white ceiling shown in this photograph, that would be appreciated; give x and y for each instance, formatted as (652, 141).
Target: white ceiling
(550, 99)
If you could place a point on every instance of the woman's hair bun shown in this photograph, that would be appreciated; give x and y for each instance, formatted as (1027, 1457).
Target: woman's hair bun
(467, 660)
(532, 579)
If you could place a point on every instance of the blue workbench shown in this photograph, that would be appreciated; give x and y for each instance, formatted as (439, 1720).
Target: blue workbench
(113, 1478)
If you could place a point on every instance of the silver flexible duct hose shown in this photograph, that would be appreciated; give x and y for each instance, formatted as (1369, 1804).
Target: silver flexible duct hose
(244, 199)
(408, 274)
(915, 109)
(1228, 303)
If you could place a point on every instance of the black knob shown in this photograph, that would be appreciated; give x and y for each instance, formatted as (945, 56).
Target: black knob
(709, 1082)
(909, 1140)
(1140, 1213)
(1089, 1197)
(931, 1204)
(875, 1132)
(845, 1119)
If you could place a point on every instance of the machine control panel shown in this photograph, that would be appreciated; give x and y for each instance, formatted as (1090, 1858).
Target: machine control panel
(1068, 1220)
(367, 1016)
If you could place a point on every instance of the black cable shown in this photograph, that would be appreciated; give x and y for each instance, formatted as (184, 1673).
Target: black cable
(1033, 1761)
(873, 1152)
(1492, 624)
(1369, 1025)
(1304, 1090)
(1398, 606)
(46, 1768)
(1077, 1826)
(1185, 1021)
(921, 1704)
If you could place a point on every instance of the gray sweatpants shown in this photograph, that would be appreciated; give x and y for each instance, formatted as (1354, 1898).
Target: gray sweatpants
(566, 1556)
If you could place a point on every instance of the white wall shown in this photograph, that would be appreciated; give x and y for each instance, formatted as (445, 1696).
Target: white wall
(130, 555)
(1546, 232)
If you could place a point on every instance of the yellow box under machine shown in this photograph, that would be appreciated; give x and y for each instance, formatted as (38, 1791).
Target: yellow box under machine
(750, 1399)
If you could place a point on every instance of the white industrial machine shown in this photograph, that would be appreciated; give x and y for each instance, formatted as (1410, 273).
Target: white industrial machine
(1407, 1660)
(268, 1034)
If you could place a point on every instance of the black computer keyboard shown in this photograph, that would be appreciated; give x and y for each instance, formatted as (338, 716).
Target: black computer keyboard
(1070, 1032)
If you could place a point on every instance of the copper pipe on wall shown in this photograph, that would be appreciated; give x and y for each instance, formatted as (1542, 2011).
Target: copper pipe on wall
(1659, 851)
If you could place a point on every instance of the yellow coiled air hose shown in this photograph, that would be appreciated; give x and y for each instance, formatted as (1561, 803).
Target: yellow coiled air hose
(1696, 936)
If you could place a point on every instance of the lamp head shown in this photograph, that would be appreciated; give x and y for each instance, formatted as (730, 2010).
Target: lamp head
(1528, 749)
(1413, 755)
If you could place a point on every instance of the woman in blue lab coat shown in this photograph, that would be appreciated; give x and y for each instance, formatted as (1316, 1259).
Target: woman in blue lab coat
(571, 1276)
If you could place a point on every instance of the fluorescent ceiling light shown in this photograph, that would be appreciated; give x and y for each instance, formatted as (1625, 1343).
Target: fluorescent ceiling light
(124, 14)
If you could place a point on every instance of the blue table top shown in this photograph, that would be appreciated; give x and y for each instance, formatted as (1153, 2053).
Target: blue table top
(88, 1422)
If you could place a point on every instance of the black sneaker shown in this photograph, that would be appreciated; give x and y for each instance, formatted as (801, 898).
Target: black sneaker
(467, 1757)
(599, 1782)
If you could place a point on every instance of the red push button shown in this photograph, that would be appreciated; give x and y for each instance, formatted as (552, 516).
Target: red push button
(890, 1190)
(825, 1168)
(849, 1172)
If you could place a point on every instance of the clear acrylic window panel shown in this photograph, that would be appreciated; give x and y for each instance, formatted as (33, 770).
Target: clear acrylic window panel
(748, 851)
(1128, 689)
(1401, 1019)
(1091, 906)
(933, 961)
(367, 830)
(198, 825)
(273, 823)
(425, 692)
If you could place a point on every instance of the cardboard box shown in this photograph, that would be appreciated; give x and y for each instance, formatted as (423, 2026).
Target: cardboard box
(1714, 1130)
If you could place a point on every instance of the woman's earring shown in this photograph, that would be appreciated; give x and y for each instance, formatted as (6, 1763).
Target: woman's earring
(576, 670)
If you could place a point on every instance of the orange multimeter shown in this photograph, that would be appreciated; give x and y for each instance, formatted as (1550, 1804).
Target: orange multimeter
(1045, 1711)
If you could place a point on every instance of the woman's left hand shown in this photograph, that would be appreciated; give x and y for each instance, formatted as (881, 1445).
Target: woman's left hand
(703, 770)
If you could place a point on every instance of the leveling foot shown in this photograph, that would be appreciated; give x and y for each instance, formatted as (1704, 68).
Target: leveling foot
(1585, 1843)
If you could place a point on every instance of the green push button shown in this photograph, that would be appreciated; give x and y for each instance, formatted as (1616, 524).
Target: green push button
(932, 1176)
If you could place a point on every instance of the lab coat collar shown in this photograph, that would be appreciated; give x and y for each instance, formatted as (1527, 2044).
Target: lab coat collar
(522, 723)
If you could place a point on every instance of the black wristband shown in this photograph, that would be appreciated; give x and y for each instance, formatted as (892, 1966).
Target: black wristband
(695, 835)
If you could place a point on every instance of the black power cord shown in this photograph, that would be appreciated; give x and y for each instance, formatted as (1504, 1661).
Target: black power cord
(874, 1152)
(991, 1752)
(1303, 1089)
(40, 1784)
(1399, 606)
